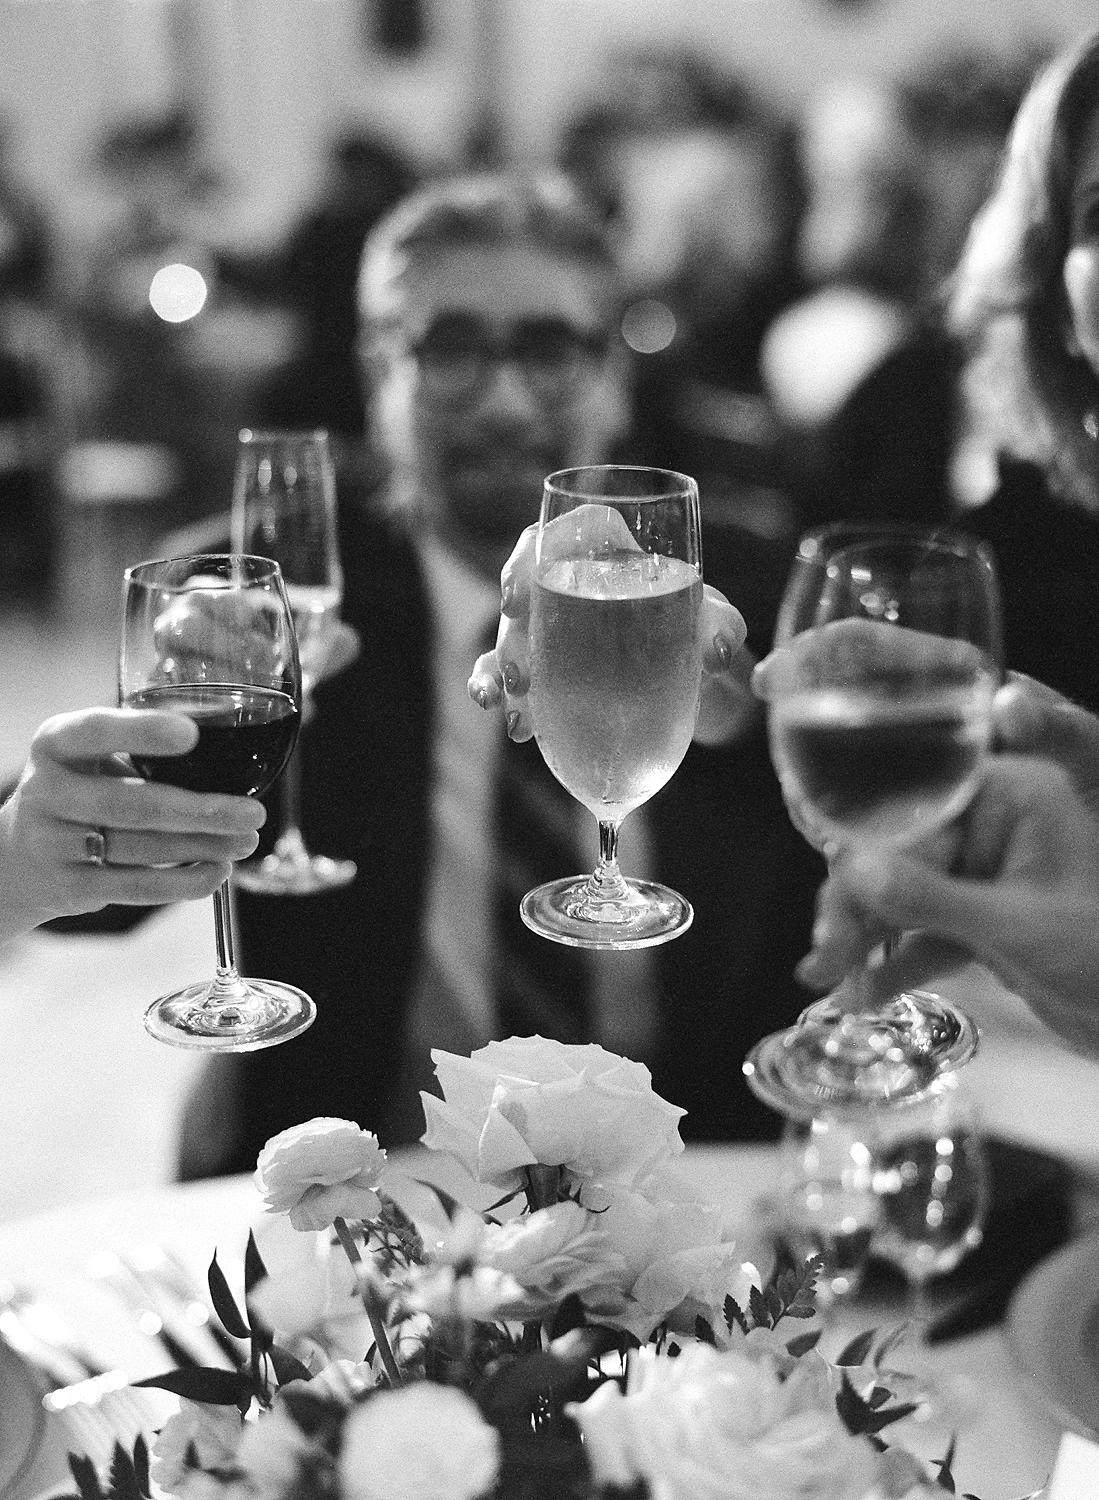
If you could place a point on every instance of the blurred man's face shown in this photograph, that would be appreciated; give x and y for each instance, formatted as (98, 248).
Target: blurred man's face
(498, 375)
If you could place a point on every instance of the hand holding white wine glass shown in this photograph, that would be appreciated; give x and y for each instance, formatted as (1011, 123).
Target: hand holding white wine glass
(211, 636)
(616, 669)
(880, 711)
(284, 507)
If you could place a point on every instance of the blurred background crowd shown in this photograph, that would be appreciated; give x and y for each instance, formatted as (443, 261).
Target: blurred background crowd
(185, 186)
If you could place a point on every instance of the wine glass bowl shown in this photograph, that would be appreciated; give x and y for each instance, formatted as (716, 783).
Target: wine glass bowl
(830, 1206)
(616, 672)
(211, 636)
(880, 693)
(284, 506)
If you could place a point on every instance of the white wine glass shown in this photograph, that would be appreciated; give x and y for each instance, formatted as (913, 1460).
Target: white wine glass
(211, 636)
(932, 1179)
(829, 1206)
(616, 673)
(284, 507)
(880, 711)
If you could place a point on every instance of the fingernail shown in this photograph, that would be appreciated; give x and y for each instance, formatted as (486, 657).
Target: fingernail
(507, 594)
(481, 697)
(723, 649)
(511, 720)
(511, 677)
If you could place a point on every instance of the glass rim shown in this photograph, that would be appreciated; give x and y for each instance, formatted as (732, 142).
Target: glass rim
(248, 435)
(674, 483)
(143, 572)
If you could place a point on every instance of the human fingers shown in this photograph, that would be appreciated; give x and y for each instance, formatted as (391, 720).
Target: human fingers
(140, 885)
(1031, 718)
(120, 846)
(92, 734)
(344, 646)
(722, 630)
(844, 651)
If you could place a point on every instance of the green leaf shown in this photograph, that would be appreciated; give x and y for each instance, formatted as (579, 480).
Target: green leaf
(802, 1343)
(87, 1480)
(734, 1313)
(857, 1351)
(254, 1269)
(450, 1204)
(945, 1468)
(229, 1314)
(568, 1314)
(860, 1418)
(217, 1387)
(704, 1333)
(758, 1310)
(287, 1366)
(124, 1484)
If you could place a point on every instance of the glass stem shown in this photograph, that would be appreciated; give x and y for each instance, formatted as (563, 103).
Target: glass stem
(606, 883)
(227, 983)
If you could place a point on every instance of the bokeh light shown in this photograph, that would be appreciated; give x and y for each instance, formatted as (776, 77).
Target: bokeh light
(648, 326)
(177, 292)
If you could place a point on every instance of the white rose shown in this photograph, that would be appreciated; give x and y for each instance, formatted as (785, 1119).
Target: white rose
(529, 1101)
(310, 1297)
(422, 1442)
(480, 1293)
(554, 1252)
(320, 1171)
(271, 1453)
(211, 1433)
(678, 1262)
(713, 1425)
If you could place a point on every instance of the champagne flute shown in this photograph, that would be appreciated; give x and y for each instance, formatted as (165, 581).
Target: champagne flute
(211, 636)
(880, 713)
(616, 673)
(284, 507)
(931, 1177)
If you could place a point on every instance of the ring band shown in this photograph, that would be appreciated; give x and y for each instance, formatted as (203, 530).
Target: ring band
(95, 847)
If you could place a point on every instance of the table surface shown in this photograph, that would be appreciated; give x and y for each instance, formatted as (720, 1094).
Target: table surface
(1004, 1452)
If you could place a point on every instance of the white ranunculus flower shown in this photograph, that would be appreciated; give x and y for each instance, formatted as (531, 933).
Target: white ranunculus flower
(422, 1442)
(213, 1433)
(320, 1171)
(482, 1293)
(712, 1425)
(529, 1101)
(310, 1297)
(677, 1262)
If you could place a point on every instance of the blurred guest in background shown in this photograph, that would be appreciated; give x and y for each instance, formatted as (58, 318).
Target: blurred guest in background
(1026, 303)
(489, 310)
(364, 177)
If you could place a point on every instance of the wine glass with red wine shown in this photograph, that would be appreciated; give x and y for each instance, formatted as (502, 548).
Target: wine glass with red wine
(211, 636)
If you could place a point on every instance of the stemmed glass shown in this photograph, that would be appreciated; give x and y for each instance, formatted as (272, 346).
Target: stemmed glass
(830, 1206)
(616, 671)
(284, 507)
(931, 1177)
(211, 636)
(887, 660)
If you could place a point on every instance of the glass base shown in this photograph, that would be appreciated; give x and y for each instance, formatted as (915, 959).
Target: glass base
(928, 1026)
(640, 915)
(862, 1060)
(294, 872)
(262, 1013)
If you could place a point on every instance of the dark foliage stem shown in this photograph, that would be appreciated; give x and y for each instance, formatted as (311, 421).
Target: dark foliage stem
(377, 1327)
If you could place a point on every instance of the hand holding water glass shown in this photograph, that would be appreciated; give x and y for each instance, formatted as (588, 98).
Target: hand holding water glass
(616, 669)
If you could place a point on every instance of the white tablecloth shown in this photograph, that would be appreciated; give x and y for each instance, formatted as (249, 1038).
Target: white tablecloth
(1006, 1451)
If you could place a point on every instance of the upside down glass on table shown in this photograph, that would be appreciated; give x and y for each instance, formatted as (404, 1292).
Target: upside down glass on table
(284, 506)
(616, 673)
(880, 690)
(211, 636)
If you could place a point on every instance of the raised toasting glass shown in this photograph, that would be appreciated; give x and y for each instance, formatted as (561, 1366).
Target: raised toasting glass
(211, 636)
(616, 670)
(284, 507)
(880, 710)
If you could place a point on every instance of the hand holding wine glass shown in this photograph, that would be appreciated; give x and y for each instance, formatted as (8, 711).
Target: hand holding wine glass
(211, 636)
(284, 507)
(880, 694)
(616, 666)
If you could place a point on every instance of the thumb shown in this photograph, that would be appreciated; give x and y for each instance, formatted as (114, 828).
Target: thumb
(906, 893)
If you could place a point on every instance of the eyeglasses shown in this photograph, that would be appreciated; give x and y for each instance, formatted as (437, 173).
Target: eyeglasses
(457, 357)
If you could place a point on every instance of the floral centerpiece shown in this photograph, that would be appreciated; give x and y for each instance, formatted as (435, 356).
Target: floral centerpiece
(591, 1334)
